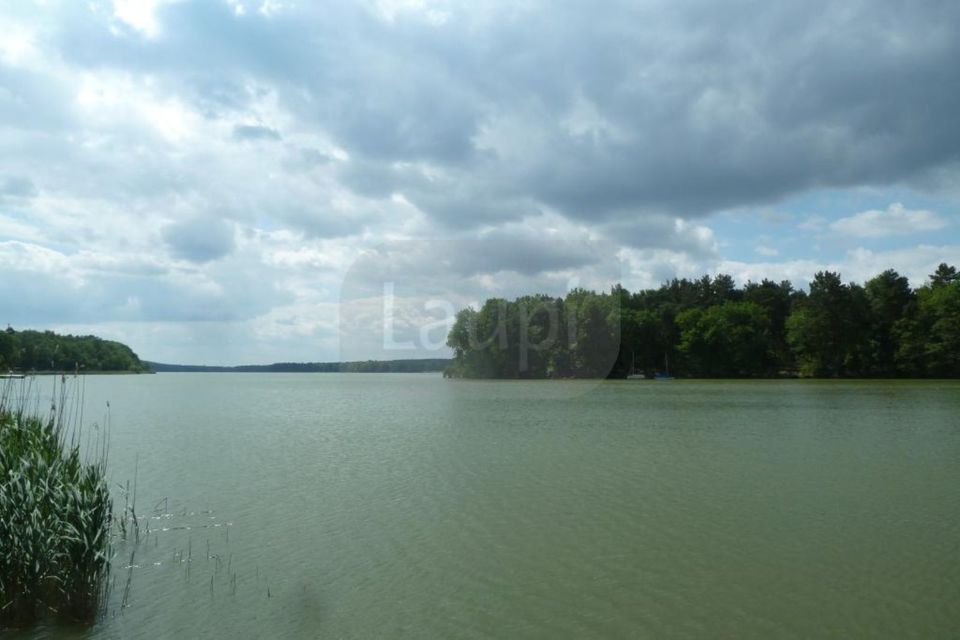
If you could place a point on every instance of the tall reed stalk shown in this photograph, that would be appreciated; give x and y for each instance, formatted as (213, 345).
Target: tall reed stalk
(55, 512)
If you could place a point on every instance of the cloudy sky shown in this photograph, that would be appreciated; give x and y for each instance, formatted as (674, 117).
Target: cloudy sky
(230, 182)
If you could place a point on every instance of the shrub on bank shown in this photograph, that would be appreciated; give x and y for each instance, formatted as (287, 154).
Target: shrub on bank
(55, 518)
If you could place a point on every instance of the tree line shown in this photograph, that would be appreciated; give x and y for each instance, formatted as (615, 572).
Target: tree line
(425, 365)
(26, 351)
(710, 327)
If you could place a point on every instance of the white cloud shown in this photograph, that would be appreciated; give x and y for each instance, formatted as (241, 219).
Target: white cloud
(857, 265)
(139, 14)
(895, 220)
(813, 223)
(767, 252)
(799, 272)
(434, 12)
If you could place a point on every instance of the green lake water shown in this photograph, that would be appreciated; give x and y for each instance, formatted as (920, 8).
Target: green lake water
(409, 506)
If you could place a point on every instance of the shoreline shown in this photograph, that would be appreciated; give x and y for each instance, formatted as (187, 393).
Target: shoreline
(30, 374)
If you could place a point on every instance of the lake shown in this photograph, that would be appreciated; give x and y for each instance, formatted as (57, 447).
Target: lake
(406, 505)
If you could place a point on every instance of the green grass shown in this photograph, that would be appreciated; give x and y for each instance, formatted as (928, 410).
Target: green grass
(55, 517)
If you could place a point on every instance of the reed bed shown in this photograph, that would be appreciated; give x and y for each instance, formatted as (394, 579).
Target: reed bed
(55, 511)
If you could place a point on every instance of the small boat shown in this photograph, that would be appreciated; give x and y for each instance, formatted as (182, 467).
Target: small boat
(665, 374)
(12, 376)
(633, 375)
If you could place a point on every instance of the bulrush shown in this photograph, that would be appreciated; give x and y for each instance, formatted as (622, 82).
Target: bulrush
(55, 518)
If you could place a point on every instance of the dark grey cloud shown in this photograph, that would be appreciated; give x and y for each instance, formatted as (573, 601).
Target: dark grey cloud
(199, 239)
(456, 199)
(507, 258)
(661, 232)
(523, 251)
(693, 107)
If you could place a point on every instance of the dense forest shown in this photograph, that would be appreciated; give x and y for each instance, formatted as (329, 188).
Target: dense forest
(711, 328)
(27, 351)
(424, 365)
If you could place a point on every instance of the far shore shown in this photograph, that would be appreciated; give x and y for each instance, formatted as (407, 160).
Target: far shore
(28, 374)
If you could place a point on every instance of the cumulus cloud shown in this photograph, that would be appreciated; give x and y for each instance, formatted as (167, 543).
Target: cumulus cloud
(894, 220)
(540, 255)
(857, 265)
(664, 232)
(681, 109)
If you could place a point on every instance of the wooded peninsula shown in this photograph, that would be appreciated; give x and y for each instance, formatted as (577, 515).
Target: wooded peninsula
(45, 351)
(711, 328)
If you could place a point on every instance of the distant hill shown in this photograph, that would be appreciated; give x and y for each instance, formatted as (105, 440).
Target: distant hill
(44, 351)
(367, 366)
